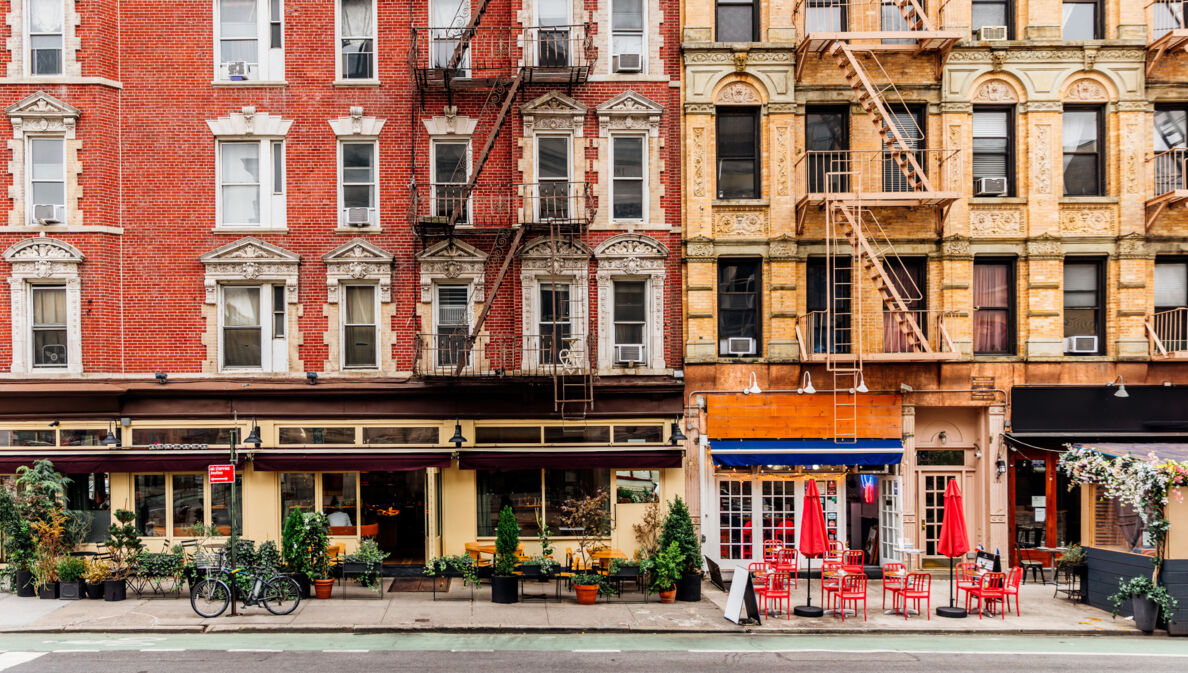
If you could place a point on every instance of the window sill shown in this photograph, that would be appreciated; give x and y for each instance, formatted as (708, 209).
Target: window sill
(250, 230)
(358, 230)
(62, 229)
(356, 83)
(997, 200)
(1080, 200)
(743, 203)
(250, 84)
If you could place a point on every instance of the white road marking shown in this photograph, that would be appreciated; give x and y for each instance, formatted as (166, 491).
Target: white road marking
(963, 652)
(346, 651)
(472, 650)
(162, 649)
(253, 650)
(597, 651)
(10, 659)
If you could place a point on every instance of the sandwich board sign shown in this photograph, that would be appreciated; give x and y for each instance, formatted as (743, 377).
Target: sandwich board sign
(742, 595)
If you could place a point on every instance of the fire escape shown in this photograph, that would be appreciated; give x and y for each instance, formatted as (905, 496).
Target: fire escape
(462, 63)
(849, 184)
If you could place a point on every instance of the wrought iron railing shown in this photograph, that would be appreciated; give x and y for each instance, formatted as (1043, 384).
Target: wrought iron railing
(563, 352)
(1170, 171)
(570, 205)
(1168, 332)
(499, 51)
(815, 329)
(874, 171)
(856, 16)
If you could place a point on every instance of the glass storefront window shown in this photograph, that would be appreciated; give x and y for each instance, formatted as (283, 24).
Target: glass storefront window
(297, 492)
(220, 506)
(634, 434)
(317, 435)
(933, 457)
(519, 489)
(208, 436)
(91, 493)
(82, 437)
(398, 435)
(187, 503)
(637, 486)
(507, 435)
(150, 504)
(1117, 526)
(580, 434)
(26, 437)
(340, 502)
(561, 485)
(1031, 511)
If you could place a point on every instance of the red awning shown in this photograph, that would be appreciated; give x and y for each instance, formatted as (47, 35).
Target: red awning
(118, 461)
(349, 462)
(626, 459)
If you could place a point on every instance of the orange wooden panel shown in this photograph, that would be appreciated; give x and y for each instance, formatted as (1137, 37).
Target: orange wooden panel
(799, 416)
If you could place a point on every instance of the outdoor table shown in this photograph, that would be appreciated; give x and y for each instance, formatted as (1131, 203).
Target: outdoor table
(893, 611)
(1051, 552)
(838, 575)
(604, 556)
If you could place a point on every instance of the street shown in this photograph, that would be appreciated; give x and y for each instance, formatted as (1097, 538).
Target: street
(689, 653)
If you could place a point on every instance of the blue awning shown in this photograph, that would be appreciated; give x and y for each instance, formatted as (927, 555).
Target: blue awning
(748, 452)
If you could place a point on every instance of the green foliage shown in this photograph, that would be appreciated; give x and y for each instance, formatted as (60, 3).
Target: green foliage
(678, 529)
(71, 569)
(48, 538)
(586, 580)
(1142, 587)
(123, 543)
(97, 571)
(268, 556)
(590, 517)
(40, 489)
(647, 531)
(462, 564)
(292, 541)
(304, 539)
(161, 565)
(507, 541)
(665, 567)
(372, 558)
(1073, 556)
(78, 527)
(548, 565)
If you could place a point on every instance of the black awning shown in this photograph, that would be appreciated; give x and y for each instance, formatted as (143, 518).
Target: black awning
(118, 461)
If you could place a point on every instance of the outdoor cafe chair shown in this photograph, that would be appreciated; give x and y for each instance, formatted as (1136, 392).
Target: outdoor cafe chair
(966, 576)
(851, 590)
(991, 589)
(894, 577)
(778, 592)
(917, 587)
(1011, 588)
(786, 562)
(830, 582)
(771, 550)
(854, 561)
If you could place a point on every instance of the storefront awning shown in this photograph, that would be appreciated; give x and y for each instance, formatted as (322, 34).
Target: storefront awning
(1161, 451)
(626, 459)
(87, 462)
(328, 461)
(749, 452)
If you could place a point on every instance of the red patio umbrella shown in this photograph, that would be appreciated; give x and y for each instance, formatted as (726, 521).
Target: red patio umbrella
(953, 542)
(812, 542)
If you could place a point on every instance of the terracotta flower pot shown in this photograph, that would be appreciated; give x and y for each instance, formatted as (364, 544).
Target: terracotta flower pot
(587, 594)
(322, 588)
(668, 596)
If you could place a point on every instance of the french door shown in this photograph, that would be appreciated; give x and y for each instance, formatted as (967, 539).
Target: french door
(932, 507)
(890, 519)
(754, 508)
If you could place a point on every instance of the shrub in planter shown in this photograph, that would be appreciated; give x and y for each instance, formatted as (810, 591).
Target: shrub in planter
(369, 560)
(678, 529)
(664, 570)
(461, 566)
(292, 551)
(124, 545)
(587, 588)
(49, 542)
(1150, 602)
(307, 548)
(71, 585)
(97, 571)
(504, 583)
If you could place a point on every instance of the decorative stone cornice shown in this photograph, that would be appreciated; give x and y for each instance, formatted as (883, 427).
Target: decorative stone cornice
(248, 122)
(452, 259)
(956, 247)
(783, 248)
(355, 124)
(699, 108)
(956, 108)
(450, 124)
(570, 257)
(699, 249)
(629, 111)
(42, 113)
(1045, 246)
(1133, 246)
(250, 259)
(1042, 106)
(553, 111)
(43, 257)
(358, 260)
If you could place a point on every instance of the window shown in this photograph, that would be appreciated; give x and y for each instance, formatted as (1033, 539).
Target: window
(187, 503)
(359, 333)
(317, 435)
(627, 33)
(738, 153)
(220, 506)
(358, 179)
(244, 169)
(1084, 313)
(993, 149)
(297, 492)
(28, 438)
(556, 325)
(563, 485)
(207, 436)
(534, 495)
(149, 496)
(627, 185)
(247, 340)
(911, 121)
(636, 486)
(825, 16)
(400, 435)
(250, 36)
(631, 322)
(910, 278)
(1171, 284)
(552, 171)
(357, 32)
(737, 21)
(451, 172)
(994, 307)
(993, 13)
(638, 434)
(170, 505)
(91, 492)
(1084, 173)
(553, 37)
(577, 434)
(1171, 133)
(45, 36)
(1167, 15)
(1081, 20)
(452, 324)
(893, 21)
(738, 307)
(827, 140)
(447, 18)
(340, 502)
(47, 180)
(502, 434)
(1116, 525)
(830, 330)
(49, 325)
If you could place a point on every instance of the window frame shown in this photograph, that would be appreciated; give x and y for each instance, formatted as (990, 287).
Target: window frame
(207, 502)
(754, 19)
(758, 293)
(1011, 138)
(755, 155)
(817, 171)
(642, 179)
(542, 511)
(340, 39)
(1011, 264)
(33, 289)
(1098, 19)
(467, 217)
(1008, 11)
(318, 501)
(542, 212)
(265, 21)
(272, 204)
(29, 35)
(643, 39)
(268, 315)
(373, 209)
(1100, 153)
(647, 327)
(437, 336)
(1169, 260)
(1100, 306)
(30, 202)
(375, 326)
(553, 348)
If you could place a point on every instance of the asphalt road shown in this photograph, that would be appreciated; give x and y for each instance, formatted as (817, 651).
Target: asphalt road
(579, 653)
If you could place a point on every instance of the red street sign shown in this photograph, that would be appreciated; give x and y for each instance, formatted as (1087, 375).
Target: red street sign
(221, 474)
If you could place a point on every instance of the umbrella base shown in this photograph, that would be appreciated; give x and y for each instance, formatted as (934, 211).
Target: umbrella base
(951, 612)
(807, 611)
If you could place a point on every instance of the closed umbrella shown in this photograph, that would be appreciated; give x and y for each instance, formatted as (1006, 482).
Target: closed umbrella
(953, 542)
(812, 542)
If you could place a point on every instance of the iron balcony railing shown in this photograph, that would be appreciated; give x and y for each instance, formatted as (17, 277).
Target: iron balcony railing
(1170, 171)
(569, 206)
(859, 16)
(821, 333)
(562, 54)
(562, 352)
(877, 174)
(1168, 333)
(1164, 16)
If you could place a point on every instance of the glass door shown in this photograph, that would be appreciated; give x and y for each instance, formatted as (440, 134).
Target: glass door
(890, 519)
(932, 507)
(779, 511)
(735, 513)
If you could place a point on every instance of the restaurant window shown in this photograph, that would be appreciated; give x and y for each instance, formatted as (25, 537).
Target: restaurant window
(297, 492)
(81, 437)
(504, 434)
(635, 486)
(1084, 310)
(1117, 526)
(398, 435)
(738, 153)
(827, 142)
(220, 506)
(26, 437)
(534, 494)
(317, 435)
(1083, 147)
(187, 503)
(91, 493)
(739, 304)
(993, 151)
(737, 21)
(993, 13)
(340, 502)
(1171, 303)
(207, 436)
(937, 457)
(1081, 20)
(149, 499)
(563, 485)
(994, 307)
(639, 434)
(830, 329)
(359, 327)
(577, 434)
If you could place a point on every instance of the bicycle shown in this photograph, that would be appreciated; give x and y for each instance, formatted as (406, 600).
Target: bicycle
(278, 593)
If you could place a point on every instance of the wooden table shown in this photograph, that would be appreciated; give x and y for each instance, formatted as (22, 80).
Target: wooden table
(604, 556)
(476, 550)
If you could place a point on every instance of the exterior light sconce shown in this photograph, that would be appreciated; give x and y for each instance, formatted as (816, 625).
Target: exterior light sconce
(1121, 392)
(806, 384)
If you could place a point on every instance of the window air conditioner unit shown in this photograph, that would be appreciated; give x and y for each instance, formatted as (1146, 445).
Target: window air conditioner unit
(629, 353)
(1080, 344)
(992, 33)
(628, 63)
(46, 214)
(358, 217)
(236, 69)
(740, 346)
(992, 186)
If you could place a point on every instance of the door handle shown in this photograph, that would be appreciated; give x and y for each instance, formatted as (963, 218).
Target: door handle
(923, 525)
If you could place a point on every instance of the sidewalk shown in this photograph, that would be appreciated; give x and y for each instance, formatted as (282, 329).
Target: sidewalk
(455, 612)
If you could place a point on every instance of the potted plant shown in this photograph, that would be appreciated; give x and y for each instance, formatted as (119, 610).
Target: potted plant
(664, 570)
(19, 548)
(504, 583)
(97, 571)
(541, 567)
(1074, 562)
(315, 564)
(293, 549)
(647, 531)
(461, 566)
(586, 587)
(124, 545)
(71, 585)
(678, 528)
(367, 564)
(48, 539)
(589, 517)
(1149, 601)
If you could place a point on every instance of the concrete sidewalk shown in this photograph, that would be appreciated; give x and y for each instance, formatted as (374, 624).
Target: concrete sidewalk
(455, 612)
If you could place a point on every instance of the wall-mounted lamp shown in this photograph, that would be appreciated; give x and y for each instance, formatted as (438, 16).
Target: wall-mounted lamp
(943, 437)
(753, 388)
(458, 440)
(161, 377)
(312, 377)
(1000, 467)
(1121, 392)
(676, 437)
(862, 384)
(254, 436)
(54, 424)
(110, 439)
(806, 384)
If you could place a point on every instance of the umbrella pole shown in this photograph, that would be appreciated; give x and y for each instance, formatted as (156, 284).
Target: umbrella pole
(808, 609)
(951, 610)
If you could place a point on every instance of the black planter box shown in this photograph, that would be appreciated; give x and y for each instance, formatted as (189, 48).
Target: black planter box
(95, 591)
(24, 584)
(689, 588)
(302, 582)
(505, 589)
(49, 591)
(115, 590)
(72, 591)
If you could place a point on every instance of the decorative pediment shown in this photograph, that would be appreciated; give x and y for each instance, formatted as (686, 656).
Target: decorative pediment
(250, 259)
(248, 122)
(571, 257)
(629, 111)
(358, 260)
(450, 124)
(42, 113)
(42, 248)
(452, 260)
(553, 111)
(355, 124)
(543, 247)
(630, 254)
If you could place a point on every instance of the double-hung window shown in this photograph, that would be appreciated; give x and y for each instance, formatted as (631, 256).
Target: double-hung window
(452, 323)
(627, 186)
(992, 13)
(552, 170)
(911, 121)
(738, 153)
(1084, 155)
(738, 307)
(827, 16)
(1171, 303)
(553, 33)
(737, 21)
(994, 307)
(831, 330)
(47, 180)
(250, 36)
(827, 142)
(1170, 141)
(1081, 20)
(627, 35)
(993, 151)
(556, 321)
(252, 326)
(358, 180)
(252, 183)
(451, 172)
(359, 333)
(46, 36)
(357, 35)
(48, 325)
(1084, 310)
(631, 323)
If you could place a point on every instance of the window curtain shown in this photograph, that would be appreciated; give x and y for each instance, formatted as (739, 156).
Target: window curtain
(241, 183)
(45, 16)
(49, 307)
(991, 302)
(357, 18)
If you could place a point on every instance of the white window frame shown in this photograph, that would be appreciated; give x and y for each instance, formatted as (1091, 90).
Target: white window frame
(272, 204)
(43, 261)
(29, 203)
(342, 325)
(339, 38)
(450, 140)
(643, 179)
(643, 42)
(576, 330)
(65, 327)
(435, 351)
(29, 34)
(373, 209)
(267, 335)
(570, 201)
(270, 63)
(647, 323)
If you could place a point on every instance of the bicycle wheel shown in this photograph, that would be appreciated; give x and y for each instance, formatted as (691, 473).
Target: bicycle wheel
(210, 597)
(281, 595)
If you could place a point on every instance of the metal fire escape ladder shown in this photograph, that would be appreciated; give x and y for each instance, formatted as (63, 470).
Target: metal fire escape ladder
(843, 359)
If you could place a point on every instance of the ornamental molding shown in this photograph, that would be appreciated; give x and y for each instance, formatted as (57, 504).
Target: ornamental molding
(548, 260)
(43, 259)
(1088, 220)
(738, 93)
(358, 260)
(39, 260)
(250, 259)
(1136, 106)
(956, 247)
(956, 108)
(450, 123)
(996, 222)
(783, 248)
(701, 248)
(249, 122)
(355, 124)
(42, 113)
(740, 223)
(452, 260)
(1133, 246)
(629, 111)
(630, 254)
(631, 257)
(552, 112)
(1086, 90)
(1045, 246)
(699, 108)
(1042, 106)
(1015, 55)
(1041, 149)
(560, 257)
(697, 153)
(995, 91)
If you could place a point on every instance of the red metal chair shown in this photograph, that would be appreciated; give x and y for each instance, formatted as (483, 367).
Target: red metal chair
(894, 577)
(918, 587)
(779, 591)
(967, 578)
(771, 550)
(786, 562)
(851, 590)
(1014, 579)
(991, 589)
(854, 561)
